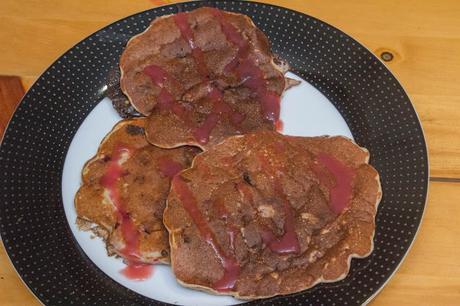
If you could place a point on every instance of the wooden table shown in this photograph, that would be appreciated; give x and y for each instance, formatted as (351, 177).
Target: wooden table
(423, 36)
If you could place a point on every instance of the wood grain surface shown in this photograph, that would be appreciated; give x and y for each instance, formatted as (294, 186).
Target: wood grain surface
(11, 91)
(422, 36)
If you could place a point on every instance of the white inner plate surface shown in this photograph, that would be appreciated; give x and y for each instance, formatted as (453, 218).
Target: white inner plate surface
(304, 112)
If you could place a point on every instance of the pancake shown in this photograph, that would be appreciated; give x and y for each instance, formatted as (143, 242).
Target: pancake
(202, 76)
(265, 214)
(124, 190)
(119, 101)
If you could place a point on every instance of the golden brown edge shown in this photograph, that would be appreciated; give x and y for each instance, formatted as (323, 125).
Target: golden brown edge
(319, 280)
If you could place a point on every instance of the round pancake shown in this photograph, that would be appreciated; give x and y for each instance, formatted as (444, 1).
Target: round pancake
(265, 214)
(202, 76)
(124, 190)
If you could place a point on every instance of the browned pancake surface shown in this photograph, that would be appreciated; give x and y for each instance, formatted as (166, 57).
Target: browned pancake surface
(143, 185)
(259, 208)
(223, 53)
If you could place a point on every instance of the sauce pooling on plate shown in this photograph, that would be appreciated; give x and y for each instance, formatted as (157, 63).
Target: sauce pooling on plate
(137, 271)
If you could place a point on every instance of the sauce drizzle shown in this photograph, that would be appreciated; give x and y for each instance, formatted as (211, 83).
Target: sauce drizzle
(289, 242)
(168, 167)
(166, 100)
(229, 263)
(187, 35)
(247, 70)
(129, 231)
(219, 108)
(340, 191)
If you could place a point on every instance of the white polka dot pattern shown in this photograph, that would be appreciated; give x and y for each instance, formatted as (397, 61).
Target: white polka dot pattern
(32, 221)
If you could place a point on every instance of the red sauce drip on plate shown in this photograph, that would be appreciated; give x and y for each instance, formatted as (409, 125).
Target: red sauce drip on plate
(166, 100)
(247, 70)
(229, 263)
(340, 190)
(279, 126)
(168, 167)
(129, 231)
(220, 108)
(137, 271)
(288, 243)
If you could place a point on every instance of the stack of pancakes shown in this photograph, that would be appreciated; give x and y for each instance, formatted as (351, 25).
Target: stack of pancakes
(204, 182)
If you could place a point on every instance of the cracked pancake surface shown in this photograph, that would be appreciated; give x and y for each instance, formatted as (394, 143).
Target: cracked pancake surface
(124, 189)
(202, 76)
(264, 214)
